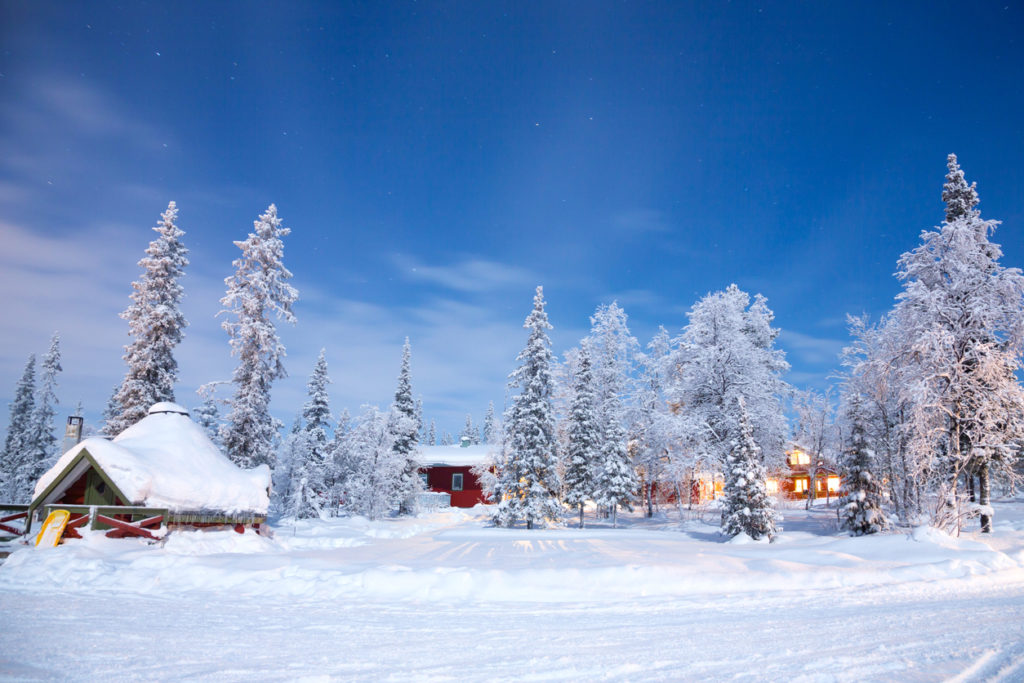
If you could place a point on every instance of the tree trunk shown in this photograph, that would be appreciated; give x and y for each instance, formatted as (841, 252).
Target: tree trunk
(812, 481)
(650, 499)
(581, 515)
(615, 516)
(985, 485)
(970, 485)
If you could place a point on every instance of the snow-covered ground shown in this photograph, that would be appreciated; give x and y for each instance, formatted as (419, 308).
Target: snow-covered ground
(444, 597)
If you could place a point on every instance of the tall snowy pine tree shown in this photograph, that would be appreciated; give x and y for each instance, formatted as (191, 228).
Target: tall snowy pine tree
(404, 429)
(528, 482)
(584, 438)
(156, 325)
(41, 446)
(616, 479)
(258, 289)
(18, 430)
(311, 473)
(746, 507)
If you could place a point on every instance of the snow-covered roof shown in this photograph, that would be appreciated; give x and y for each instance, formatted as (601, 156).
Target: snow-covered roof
(167, 461)
(166, 407)
(456, 455)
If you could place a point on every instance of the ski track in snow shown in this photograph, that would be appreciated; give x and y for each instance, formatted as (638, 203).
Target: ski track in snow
(939, 619)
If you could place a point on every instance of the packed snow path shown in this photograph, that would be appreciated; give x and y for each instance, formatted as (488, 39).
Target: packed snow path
(884, 633)
(441, 598)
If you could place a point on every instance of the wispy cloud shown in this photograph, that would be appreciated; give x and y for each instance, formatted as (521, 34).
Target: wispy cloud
(62, 137)
(467, 275)
(640, 221)
(816, 351)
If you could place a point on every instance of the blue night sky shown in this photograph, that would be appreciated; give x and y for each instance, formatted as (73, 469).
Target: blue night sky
(436, 161)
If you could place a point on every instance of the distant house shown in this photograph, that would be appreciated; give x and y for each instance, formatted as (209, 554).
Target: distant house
(447, 469)
(795, 480)
(163, 464)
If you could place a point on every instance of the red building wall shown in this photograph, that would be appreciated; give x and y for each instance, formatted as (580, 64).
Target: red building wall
(440, 479)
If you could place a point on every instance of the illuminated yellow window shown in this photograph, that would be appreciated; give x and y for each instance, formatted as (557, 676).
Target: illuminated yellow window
(799, 485)
(833, 484)
(799, 458)
(772, 486)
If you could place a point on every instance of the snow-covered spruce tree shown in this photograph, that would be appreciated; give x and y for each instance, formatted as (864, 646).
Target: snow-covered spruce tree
(207, 416)
(528, 482)
(41, 446)
(446, 439)
(111, 413)
(491, 434)
(469, 431)
(747, 508)
(432, 434)
(963, 315)
(156, 325)
(375, 484)
(584, 438)
(616, 482)
(289, 453)
(18, 430)
(726, 352)
(613, 353)
(404, 429)
(311, 475)
(860, 511)
(258, 289)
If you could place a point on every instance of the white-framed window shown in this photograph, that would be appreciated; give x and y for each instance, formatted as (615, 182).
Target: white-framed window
(425, 479)
(799, 485)
(457, 481)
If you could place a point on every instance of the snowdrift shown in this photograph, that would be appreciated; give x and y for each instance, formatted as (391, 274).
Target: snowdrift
(451, 556)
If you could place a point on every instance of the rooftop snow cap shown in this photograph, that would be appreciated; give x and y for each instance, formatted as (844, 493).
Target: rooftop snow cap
(167, 407)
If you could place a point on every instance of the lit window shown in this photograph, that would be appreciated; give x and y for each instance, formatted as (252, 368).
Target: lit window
(799, 458)
(799, 485)
(772, 486)
(457, 482)
(833, 484)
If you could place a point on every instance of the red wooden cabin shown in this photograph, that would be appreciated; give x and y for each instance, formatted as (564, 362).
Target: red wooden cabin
(448, 469)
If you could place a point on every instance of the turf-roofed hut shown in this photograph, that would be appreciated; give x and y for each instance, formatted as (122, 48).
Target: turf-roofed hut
(163, 466)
